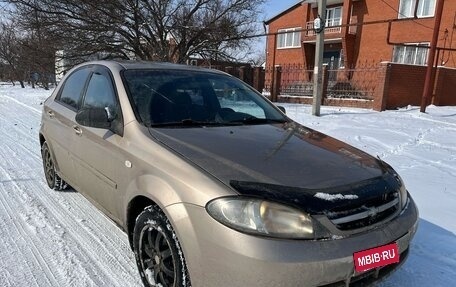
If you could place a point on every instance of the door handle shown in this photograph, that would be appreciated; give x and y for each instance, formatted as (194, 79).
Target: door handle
(77, 130)
(50, 114)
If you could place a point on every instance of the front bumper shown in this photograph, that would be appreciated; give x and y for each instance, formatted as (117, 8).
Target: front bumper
(219, 256)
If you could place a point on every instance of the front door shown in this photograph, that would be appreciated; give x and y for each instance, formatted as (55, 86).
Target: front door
(99, 156)
(332, 59)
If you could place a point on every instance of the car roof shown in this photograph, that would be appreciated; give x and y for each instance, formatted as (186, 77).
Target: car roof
(148, 65)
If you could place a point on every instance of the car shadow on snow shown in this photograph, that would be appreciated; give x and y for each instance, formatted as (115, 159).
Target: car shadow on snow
(68, 189)
(432, 259)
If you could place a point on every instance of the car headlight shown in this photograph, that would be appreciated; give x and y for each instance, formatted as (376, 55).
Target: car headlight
(260, 217)
(402, 191)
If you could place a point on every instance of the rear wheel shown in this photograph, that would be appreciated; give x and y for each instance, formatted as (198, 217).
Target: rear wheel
(158, 253)
(52, 178)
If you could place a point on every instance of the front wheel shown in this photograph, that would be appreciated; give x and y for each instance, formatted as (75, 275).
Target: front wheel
(157, 250)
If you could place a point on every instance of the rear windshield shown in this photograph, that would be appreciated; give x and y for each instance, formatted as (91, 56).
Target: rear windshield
(186, 98)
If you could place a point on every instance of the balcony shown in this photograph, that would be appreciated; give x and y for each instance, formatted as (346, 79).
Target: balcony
(329, 27)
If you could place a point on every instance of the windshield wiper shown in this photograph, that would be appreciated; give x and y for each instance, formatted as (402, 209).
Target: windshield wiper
(255, 120)
(195, 123)
(189, 123)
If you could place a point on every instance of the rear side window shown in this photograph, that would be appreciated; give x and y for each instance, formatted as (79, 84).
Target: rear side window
(73, 87)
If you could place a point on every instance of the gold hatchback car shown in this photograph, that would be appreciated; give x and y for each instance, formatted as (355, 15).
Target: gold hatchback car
(216, 186)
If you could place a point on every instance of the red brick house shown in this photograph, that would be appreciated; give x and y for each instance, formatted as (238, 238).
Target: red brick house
(347, 46)
(379, 64)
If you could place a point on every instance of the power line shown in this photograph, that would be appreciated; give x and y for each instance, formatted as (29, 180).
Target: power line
(405, 16)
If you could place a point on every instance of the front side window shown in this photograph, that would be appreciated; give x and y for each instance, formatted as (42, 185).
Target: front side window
(290, 39)
(192, 98)
(414, 54)
(72, 89)
(407, 8)
(100, 93)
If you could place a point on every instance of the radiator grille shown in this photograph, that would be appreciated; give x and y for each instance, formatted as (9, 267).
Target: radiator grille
(370, 212)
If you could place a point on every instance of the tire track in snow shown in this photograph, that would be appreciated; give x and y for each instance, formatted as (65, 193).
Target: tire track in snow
(85, 234)
(19, 227)
(91, 223)
(9, 242)
(76, 234)
(78, 251)
(441, 146)
(420, 117)
(34, 110)
(109, 253)
(91, 236)
(37, 227)
(12, 142)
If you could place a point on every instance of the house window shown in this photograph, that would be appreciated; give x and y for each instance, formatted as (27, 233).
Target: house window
(290, 39)
(415, 54)
(333, 16)
(426, 8)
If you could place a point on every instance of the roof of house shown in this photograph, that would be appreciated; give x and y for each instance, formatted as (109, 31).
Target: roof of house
(283, 12)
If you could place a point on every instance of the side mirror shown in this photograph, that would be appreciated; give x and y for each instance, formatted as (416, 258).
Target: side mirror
(282, 109)
(94, 118)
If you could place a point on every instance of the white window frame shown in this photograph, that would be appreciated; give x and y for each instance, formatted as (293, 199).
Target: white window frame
(283, 39)
(411, 10)
(418, 51)
(332, 21)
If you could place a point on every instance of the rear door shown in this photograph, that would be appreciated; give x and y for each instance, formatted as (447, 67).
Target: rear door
(99, 157)
(60, 122)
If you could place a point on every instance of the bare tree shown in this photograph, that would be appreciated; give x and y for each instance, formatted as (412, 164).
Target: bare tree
(166, 30)
(11, 53)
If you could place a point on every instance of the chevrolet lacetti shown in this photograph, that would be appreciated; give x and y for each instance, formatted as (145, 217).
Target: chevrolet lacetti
(216, 186)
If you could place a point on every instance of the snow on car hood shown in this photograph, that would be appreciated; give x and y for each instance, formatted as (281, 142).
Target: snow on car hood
(280, 154)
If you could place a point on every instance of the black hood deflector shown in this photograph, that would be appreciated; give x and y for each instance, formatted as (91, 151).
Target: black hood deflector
(307, 199)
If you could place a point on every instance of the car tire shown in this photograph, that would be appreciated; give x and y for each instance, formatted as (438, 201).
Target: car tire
(158, 253)
(53, 180)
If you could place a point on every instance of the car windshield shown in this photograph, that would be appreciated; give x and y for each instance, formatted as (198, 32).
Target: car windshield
(192, 98)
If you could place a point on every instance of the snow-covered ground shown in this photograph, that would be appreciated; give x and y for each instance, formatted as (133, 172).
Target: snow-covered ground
(49, 238)
(52, 238)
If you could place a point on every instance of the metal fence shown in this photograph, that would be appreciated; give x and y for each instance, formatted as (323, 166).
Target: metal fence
(293, 80)
(356, 83)
(296, 80)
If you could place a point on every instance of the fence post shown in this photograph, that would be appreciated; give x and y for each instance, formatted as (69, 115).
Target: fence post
(325, 81)
(242, 75)
(382, 91)
(276, 81)
(258, 78)
(229, 70)
(437, 92)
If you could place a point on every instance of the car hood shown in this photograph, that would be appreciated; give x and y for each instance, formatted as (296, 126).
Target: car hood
(281, 155)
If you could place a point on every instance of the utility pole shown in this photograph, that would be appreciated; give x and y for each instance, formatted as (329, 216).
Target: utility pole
(319, 26)
(428, 84)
